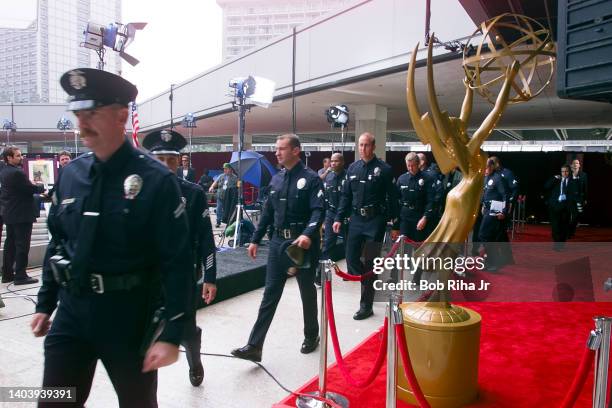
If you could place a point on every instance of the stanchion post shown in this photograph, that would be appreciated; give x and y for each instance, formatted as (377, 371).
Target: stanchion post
(394, 316)
(309, 402)
(603, 327)
(401, 275)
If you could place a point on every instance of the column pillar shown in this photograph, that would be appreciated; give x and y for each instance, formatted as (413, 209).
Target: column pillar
(373, 119)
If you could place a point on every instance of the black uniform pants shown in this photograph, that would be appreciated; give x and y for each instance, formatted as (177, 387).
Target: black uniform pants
(16, 250)
(491, 229)
(275, 283)
(330, 238)
(408, 228)
(107, 327)
(559, 220)
(365, 235)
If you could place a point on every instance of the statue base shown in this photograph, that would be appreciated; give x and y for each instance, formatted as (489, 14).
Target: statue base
(444, 343)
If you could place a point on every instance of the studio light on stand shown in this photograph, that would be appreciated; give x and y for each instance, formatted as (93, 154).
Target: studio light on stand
(247, 92)
(115, 36)
(64, 124)
(189, 122)
(338, 117)
(10, 127)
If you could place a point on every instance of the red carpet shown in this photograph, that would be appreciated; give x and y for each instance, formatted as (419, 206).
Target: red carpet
(542, 233)
(528, 357)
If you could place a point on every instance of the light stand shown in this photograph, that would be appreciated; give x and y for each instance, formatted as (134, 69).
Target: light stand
(338, 117)
(64, 124)
(77, 133)
(257, 91)
(189, 122)
(9, 126)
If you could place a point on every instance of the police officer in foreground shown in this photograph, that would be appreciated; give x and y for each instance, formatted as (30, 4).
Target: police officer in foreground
(369, 198)
(332, 190)
(432, 172)
(416, 194)
(295, 210)
(165, 145)
(119, 237)
(494, 211)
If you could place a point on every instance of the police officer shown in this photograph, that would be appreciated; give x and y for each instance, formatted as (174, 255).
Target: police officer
(332, 189)
(493, 216)
(432, 172)
(120, 237)
(295, 209)
(512, 190)
(369, 197)
(416, 193)
(165, 146)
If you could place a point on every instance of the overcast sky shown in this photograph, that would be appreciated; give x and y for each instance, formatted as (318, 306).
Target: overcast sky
(182, 39)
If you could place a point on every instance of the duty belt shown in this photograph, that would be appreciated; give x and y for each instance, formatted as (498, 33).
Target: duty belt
(409, 206)
(110, 283)
(290, 233)
(369, 211)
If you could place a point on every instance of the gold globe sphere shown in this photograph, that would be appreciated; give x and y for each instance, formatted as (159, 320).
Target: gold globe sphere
(500, 41)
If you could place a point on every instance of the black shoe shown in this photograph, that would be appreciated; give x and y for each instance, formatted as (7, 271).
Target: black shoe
(196, 375)
(363, 314)
(7, 279)
(309, 345)
(248, 352)
(25, 281)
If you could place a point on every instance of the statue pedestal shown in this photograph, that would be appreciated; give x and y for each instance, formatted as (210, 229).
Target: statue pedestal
(444, 344)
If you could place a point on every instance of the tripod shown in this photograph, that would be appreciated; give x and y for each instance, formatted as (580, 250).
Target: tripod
(240, 104)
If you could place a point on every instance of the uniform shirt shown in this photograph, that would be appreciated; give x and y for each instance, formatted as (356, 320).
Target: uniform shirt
(200, 229)
(332, 190)
(432, 172)
(296, 197)
(416, 193)
(368, 184)
(147, 233)
(511, 185)
(494, 189)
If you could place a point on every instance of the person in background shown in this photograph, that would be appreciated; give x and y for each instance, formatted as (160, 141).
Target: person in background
(205, 181)
(560, 200)
(185, 171)
(18, 212)
(225, 185)
(324, 171)
(579, 193)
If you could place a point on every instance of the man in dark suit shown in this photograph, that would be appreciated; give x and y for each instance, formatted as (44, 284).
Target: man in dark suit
(185, 171)
(17, 198)
(560, 199)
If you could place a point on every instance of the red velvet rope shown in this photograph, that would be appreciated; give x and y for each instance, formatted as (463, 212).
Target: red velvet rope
(382, 350)
(579, 379)
(408, 371)
(359, 278)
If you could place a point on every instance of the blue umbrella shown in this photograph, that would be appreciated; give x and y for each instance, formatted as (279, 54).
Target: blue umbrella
(255, 168)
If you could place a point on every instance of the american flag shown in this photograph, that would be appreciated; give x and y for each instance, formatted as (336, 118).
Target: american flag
(135, 125)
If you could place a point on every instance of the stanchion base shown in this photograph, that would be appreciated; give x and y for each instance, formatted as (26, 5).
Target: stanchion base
(307, 402)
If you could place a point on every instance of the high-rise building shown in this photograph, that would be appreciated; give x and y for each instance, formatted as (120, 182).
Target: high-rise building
(33, 59)
(248, 23)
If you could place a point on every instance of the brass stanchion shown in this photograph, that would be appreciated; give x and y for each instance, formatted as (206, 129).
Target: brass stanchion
(394, 316)
(309, 402)
(601, 342)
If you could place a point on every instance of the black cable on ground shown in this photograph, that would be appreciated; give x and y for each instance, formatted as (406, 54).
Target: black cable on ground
(254, 362)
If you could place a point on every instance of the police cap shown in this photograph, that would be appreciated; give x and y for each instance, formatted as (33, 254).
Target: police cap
(293, 258)
(90, 88)
(164, 142)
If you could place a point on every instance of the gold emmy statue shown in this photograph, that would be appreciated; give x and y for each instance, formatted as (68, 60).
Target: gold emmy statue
(443, 339)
